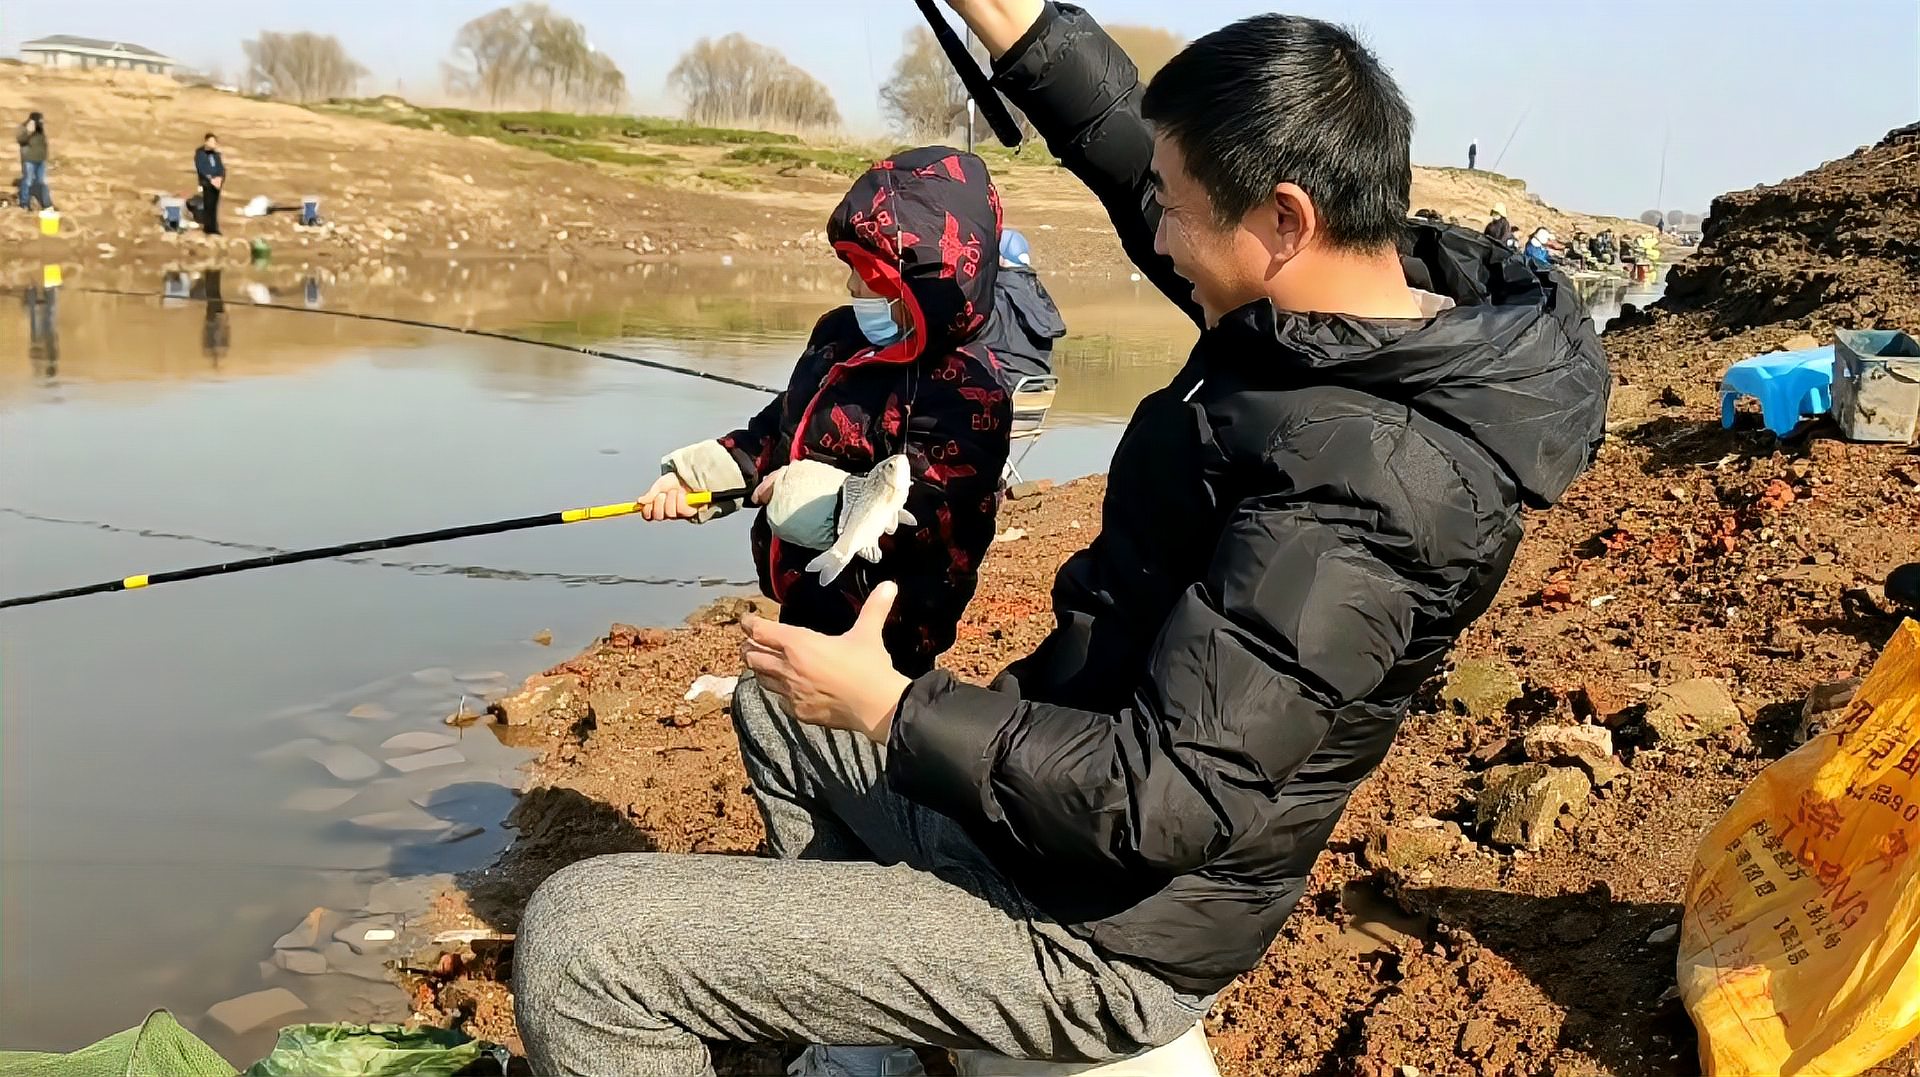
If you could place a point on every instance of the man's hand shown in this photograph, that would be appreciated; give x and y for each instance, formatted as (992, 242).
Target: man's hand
(999, 24)
(840, 682)
(667, 500)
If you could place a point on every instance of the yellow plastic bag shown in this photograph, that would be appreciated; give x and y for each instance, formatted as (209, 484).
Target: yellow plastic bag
(1800, 952)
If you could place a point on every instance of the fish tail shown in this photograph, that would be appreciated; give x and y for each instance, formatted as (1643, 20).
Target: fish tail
(829, 565)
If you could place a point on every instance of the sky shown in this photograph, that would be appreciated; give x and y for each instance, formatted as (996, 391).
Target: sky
(1585, 101)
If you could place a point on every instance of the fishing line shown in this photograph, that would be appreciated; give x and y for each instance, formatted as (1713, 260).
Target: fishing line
(598, 353)
(483, 572)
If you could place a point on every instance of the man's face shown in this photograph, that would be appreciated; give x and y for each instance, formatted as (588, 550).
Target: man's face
(213, 143)
(1227, 266)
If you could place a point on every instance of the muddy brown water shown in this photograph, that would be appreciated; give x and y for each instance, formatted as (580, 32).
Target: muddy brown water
(183, 767)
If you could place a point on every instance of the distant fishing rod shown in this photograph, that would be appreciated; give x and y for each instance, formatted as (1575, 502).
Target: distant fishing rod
(598, 353)
(978, 86)
(567, 516)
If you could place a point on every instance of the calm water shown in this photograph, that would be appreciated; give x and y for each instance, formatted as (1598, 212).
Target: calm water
(153, 741)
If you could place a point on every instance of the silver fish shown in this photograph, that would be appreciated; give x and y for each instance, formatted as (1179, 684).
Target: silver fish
(871, 505)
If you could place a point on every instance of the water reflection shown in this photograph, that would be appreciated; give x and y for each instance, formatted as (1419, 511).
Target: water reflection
(43, 330)
(215, 333)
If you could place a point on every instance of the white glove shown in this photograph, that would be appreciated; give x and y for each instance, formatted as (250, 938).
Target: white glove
(804, 503)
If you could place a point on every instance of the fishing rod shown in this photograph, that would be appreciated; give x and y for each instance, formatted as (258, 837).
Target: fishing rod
(979, 87)
(598, 353)
(567, 516)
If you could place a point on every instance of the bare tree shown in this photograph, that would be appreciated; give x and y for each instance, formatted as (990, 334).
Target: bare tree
(924, 98)
(1651, 217)
(734, 80)
(528, 53)
(300, 66)
(1150, 47)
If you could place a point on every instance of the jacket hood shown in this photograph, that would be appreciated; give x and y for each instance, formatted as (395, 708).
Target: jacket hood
(924, 227)
(1515, 365)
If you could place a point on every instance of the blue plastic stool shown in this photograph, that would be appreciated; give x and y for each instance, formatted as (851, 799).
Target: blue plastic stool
(1790, 386)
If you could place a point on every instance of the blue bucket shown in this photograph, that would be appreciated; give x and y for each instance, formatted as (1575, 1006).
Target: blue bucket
(310, 210)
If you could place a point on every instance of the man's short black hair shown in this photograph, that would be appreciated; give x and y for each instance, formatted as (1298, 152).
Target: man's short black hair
(208, 135)
(1285, 99)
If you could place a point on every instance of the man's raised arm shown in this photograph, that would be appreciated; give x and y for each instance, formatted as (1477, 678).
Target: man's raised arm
(1081, 92)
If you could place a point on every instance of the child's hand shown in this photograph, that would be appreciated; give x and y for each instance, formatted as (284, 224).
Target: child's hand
(763, 493)
(667, 500)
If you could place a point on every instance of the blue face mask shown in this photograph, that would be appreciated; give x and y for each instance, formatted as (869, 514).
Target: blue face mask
(875, 316)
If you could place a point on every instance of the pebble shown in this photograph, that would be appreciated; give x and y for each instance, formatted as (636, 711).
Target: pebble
(346, 763)
(1011, 534)
(1662, 936)
(318, 799)
(544, 637)
(248, 1012)
(417, 741)
(439, 757)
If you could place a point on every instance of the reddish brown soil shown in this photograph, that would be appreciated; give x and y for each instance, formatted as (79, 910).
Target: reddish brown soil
(1687, 551)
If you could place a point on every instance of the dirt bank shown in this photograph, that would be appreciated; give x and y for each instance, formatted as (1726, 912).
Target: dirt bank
(401, 184)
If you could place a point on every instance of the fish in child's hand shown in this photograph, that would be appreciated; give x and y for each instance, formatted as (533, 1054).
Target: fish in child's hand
(871, 505)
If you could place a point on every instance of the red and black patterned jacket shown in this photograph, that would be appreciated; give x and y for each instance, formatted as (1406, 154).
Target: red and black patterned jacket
(923, 227)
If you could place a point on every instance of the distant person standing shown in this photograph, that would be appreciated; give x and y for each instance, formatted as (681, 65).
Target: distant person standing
(1473, 155)
(212, 172)
(1499, 229)
(32, 137)
(1024, 323)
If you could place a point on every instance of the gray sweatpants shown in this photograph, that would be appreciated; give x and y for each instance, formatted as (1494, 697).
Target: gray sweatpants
(880, 923)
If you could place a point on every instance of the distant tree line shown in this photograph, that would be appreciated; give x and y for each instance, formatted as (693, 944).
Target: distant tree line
(528, 54)
(1675, 220)
(300, 66)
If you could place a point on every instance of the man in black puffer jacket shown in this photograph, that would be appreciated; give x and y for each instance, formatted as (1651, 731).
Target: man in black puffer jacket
(1295, 531)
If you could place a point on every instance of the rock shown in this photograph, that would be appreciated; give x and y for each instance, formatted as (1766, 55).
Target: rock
(318, 799)
(304, 962)
(348, 764)
(480, 676)
(1476, 1037)
(439, 757)
(708, 685)
(644, 638)
(1493, 751)
(1403, 849)
(307, 933)
(1662, 936)
(400, 820)
(342, 958)
(1605, 773)
(1799, 342)
(460, 833)
(365, 936)
(1020, 491)
(727, 611)
(1481, 688)
(544, 637)
(1601, 701)
(1011, 534)
(1554, 743)
(546, 702)
(1520, 805)
(248, 1012)
(437, 676)
(372, 712)
(301, 748)
(417, 741)
(1691, 711)
(407, 896)
(1824, 704)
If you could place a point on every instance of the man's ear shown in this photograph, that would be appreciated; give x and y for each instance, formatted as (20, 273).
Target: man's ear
(1296, 220)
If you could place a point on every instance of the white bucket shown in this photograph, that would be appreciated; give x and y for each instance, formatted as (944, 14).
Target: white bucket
(1876, 384)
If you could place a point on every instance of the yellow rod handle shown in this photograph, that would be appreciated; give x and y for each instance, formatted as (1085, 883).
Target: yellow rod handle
(625, 508)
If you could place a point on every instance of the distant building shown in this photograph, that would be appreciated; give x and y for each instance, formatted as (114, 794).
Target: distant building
(65, 50)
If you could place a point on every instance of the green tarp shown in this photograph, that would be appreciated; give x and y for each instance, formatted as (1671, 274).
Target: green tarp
(161, 1047)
